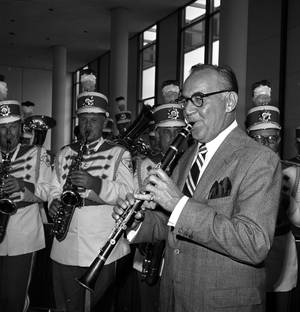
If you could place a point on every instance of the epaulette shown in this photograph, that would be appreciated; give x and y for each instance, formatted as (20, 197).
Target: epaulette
(74, 146)
(24, 148)
(107, 145)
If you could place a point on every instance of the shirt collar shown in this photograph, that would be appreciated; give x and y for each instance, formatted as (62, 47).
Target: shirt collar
(93, 146)
(214, 144)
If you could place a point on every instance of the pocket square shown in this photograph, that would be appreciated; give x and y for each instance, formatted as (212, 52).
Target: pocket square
(220, 189)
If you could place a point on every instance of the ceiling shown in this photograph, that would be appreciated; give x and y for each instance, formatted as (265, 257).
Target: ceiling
(30, 28)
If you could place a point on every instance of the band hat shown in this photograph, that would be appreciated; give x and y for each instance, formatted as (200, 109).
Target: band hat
(169, 115)
(9, 111)
(108, 126)
(123, 117)
(263, 117)
(40, 122)
(92, 102)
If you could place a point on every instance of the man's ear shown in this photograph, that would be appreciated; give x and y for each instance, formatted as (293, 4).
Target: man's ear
(231, 101)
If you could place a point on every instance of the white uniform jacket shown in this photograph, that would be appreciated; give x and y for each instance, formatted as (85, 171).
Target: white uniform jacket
(25, 232)
(92, 223)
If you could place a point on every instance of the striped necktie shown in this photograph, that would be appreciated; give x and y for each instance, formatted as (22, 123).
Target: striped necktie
(194, 174)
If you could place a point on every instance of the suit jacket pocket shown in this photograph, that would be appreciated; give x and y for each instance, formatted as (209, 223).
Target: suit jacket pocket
(234, 297)
(222, 205)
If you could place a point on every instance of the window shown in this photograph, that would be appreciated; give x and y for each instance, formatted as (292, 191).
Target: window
(147, 66)
(200, 34)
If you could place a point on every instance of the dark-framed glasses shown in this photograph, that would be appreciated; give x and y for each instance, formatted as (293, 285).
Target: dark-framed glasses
(197, 97)
(270, 139)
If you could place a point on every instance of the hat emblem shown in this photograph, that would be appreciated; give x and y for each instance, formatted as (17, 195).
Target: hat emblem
(4, 110)
(89, 101)
(265, 116)
(173, 114)
(123, 116)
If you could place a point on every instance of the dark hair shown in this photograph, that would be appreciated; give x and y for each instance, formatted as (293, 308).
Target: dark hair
(169, 82)
(2, 78)
(225, 73)
(119, 98)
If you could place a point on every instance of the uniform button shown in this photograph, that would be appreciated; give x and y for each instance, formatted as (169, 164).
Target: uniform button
(176, 251)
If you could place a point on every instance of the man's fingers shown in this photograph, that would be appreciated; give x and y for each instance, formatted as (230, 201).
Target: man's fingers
(130, 198)
(139, 196)
(117, 213)
(160, 174)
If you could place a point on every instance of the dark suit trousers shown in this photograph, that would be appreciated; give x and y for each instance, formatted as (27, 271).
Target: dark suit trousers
(15, 274)
(69, 295)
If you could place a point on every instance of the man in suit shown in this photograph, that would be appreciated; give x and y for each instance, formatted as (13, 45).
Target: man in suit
(222, 221)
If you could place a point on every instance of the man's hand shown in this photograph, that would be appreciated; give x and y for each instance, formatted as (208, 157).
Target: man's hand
(122, 205)
(13, 184)
(83, 179)
(162, 190)
(55, 205)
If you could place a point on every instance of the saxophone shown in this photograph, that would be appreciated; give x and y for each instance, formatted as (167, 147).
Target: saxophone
(7, 206)
(70, 198)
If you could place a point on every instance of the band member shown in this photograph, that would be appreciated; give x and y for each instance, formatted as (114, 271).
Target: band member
(281, 263)
(222, 208)
(148, 259)
(123, 118)
(25, 176)
(101, 175)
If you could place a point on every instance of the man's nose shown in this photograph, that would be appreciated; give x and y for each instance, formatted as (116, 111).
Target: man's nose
(189, 107)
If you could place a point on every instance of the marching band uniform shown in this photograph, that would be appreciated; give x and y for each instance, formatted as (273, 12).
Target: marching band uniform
(92, 223)
(281, 263)
(24, 233)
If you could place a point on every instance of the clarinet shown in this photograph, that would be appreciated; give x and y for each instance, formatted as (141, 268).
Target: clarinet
(89, 278)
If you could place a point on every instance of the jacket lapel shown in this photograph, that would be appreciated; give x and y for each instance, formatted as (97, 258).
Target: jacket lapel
(219, 163)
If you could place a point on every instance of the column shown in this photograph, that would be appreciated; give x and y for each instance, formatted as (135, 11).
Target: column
(233, 46)
(118, 56)
(61, 109)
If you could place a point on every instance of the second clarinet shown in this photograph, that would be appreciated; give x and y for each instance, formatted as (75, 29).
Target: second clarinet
(88, 280)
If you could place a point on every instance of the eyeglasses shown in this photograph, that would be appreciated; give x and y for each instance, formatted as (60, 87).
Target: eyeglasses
(271, 139)
(197, 97)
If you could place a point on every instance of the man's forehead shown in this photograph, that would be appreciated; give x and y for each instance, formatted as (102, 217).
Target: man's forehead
(90, 115)
(9, 124)
(201, 81)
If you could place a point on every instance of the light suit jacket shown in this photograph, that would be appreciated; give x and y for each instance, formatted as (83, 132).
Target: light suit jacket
(214, 255)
